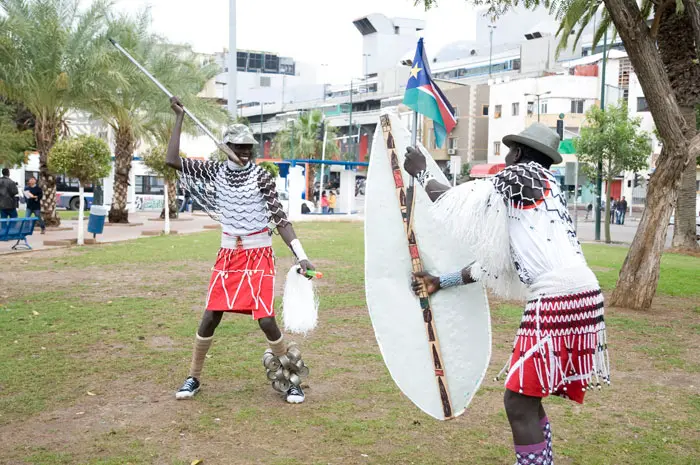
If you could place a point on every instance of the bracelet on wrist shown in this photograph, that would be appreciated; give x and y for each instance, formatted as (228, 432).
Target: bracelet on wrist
(451, 280)
(423, 177)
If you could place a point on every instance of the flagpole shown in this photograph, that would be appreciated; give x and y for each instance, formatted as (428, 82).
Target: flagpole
(414, 133)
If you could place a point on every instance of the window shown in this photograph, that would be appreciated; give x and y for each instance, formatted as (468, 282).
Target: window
(287, 68)
(497, 148)
(577, 106)
(396, 30)
(516, 109)
(149, 185)
(255, 61)
(484, 110)
(264, 81)
(530, 108)
(516, 64)
(452, 143)
(543, 108)
(241, 61)
(272, 63)
(642, 104)
(456, 109)
(497, 111)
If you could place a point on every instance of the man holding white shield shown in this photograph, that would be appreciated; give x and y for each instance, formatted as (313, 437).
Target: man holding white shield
(518, 226)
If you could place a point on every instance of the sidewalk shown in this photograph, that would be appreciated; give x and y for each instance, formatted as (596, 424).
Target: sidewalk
(141, 224)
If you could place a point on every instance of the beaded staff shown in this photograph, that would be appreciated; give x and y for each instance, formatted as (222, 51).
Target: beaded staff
(406, 204)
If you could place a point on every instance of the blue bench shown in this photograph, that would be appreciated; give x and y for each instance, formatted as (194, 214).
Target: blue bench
(18, 229)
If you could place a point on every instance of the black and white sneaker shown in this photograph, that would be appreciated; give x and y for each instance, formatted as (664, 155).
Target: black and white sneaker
(295, 395)
(188, 389)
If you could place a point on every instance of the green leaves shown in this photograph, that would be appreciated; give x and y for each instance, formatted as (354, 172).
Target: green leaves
(87, 158)
(273, 169)
(13, 142)
(613, 138)
(154, 159)
(299, 139)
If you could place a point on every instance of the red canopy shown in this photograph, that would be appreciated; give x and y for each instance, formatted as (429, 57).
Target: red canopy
(486, 170)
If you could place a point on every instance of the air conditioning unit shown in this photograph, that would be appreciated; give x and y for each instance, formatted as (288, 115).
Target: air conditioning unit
(452, 151)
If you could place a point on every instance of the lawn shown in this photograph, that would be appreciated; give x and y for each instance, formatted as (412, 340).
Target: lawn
(96, 340)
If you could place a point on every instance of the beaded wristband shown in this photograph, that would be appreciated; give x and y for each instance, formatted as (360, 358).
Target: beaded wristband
(423, 177)
(451, 280)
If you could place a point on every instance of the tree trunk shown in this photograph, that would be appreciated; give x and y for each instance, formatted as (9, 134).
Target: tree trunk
(608, 209)
(639, 275)
(171, 198)
(123, 156)
(45, 133)
(678, 53)
(693, 10)
(312, 182)
(684, 229)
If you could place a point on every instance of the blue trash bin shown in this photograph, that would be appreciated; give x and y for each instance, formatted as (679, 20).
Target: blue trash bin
(96, 220)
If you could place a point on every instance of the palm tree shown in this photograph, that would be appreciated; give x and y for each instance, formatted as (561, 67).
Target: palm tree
(679, 50)
(189, 78)
(120, 106)
(14, 141)
(52, 56)
(301, 141)
(130, 109)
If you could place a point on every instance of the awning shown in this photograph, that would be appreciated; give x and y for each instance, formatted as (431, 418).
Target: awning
(486, 170)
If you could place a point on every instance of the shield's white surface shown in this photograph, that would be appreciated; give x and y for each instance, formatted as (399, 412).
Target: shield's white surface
(461, 314)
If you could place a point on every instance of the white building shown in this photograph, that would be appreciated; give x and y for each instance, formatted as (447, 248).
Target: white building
(385, 41)
(264, 77)
(515, 104)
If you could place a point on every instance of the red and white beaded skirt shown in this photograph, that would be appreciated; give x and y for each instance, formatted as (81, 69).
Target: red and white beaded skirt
(560, 347)
(243, 281)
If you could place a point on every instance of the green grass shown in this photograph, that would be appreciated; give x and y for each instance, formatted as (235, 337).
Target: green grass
(679, 273)
(128, 341)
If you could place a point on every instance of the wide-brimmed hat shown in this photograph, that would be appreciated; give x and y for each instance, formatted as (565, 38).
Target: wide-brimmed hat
(239, 134)
(538, 137)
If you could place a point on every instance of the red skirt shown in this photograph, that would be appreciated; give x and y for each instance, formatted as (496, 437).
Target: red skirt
(243, 281)
(561, 347)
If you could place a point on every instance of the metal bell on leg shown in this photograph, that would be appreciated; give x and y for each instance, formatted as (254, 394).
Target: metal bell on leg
(286, 370)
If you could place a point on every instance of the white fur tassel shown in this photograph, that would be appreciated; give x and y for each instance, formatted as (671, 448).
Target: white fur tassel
(476, 214)
(299, 304)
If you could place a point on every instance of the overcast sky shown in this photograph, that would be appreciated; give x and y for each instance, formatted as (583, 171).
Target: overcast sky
(306, 30)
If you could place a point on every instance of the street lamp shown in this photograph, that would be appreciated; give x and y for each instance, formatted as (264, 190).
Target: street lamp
(538, 101)
(352, 140)
(491, 28)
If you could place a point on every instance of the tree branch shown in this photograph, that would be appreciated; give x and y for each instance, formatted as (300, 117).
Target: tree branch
(657, 17)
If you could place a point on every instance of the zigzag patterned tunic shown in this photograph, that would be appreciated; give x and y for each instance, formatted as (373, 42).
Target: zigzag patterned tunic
(244, 200)
(527, 246)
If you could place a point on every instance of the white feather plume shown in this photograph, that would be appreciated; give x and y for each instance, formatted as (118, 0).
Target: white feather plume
(476, 214)
(299, 304)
